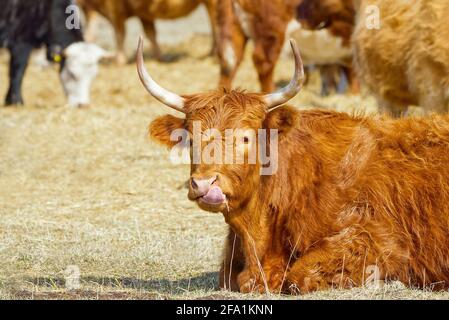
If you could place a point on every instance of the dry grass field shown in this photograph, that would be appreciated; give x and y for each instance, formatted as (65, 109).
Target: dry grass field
(86, 188)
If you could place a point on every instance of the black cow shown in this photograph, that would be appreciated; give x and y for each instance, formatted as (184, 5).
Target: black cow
(29, 24)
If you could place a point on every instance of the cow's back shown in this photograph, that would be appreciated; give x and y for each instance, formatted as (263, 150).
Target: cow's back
(24, 21)
(146, 9)
(398, 178)
(37, 23)
(164, 9)
(386, 178)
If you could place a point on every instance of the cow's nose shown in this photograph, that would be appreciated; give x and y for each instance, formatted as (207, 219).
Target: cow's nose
(202, 186)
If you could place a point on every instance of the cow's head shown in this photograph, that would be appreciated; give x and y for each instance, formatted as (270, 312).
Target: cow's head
(222, 187)
(79, 68)
(319, 14)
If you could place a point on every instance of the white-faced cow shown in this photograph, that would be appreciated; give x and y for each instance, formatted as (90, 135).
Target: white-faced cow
(29, 24)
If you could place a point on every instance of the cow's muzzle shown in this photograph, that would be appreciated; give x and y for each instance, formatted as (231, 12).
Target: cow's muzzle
(206, 191)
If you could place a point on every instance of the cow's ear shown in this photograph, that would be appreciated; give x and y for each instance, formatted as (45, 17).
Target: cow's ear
(283, 119)
(162, 128)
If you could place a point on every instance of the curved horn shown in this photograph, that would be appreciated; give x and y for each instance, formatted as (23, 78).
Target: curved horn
(168, 98)
(280, 97)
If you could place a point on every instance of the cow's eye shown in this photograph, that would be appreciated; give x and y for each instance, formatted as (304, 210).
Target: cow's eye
(322, 25)
(71, 74)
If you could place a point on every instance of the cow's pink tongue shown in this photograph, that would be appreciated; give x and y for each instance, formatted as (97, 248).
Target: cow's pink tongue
(214, 196)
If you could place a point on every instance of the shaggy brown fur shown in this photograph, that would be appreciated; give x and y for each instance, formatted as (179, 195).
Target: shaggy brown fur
(350, 193)
(406, 61)
(117, 12)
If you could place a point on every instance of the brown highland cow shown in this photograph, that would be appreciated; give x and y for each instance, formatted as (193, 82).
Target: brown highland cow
(350, 195)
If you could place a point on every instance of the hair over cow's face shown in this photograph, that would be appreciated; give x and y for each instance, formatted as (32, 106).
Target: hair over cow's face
(229, 134)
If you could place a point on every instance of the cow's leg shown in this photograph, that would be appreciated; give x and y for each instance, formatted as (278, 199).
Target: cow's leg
(328, 82)
(120, 33)
(91, 25)
(275, 268)
(266, 54)
(230, 54)
(211, 6)
(352, 79)
(345, 260)
(333, 78)
(265, 268)
(434, 103)
(343, 80)
(436, 100)
(233, 262)
(150, 30)
(252, 278)
(265, 261)
(20, 53)
(308, 70)
(231, 42)
(390, 108)
(268, 273)
(251, 252)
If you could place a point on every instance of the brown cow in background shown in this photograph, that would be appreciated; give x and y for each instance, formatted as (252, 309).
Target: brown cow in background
(405, 60)
(351, 195)
(266, 22)
(334, 22)
(263, 21)
(117, 12)
(337, 16)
